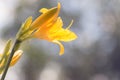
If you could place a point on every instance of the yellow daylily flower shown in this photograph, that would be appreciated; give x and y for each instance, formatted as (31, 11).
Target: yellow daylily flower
(29, 27)
(50, 27)
(14, 60)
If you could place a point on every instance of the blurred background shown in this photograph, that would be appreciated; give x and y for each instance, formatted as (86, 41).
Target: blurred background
(94, 55)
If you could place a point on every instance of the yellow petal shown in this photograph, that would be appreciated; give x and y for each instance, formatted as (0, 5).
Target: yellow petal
(61, 47)
(58, 33)
(43, 10)
(50, 28)
(16, 57)
(63, 35)
(56, 26)
(50, 16)
(43, 19)
(44, 32)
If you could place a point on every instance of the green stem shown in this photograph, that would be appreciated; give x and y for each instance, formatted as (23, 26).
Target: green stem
(15, 47)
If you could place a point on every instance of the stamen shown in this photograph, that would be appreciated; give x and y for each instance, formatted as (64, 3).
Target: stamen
(70, 24)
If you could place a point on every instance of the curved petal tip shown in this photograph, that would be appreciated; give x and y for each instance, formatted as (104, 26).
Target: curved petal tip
(59, 5)
(61, 47)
